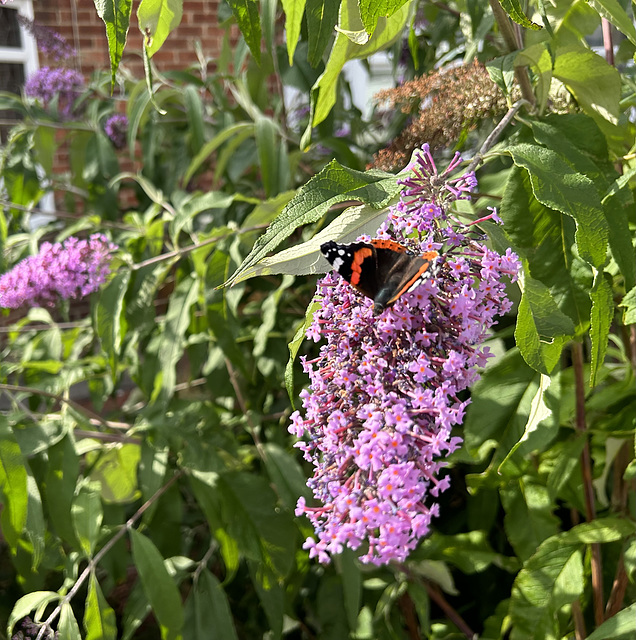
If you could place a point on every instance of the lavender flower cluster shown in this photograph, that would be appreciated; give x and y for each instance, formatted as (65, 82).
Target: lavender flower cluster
(49, 42)
(65, 270)
(47, 83)
(116, 128)
(383, 393)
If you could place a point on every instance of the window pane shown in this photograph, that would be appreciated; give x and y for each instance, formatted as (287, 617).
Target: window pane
(11, 76)
(9, 28)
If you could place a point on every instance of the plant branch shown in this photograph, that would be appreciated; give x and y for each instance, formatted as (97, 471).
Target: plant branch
(71, 403)
(586, 472)
(495, 134)
(513, 43)
(93, 562)
(179, 252)
(436, 595)
(57, 213)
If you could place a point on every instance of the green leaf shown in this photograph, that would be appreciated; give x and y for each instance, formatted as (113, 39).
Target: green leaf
(553, 576)
(116, 17)
(294, 346)
(629, 304)
(620, 626)
(324, 91)
(115, 469)
(556, 185)
(272, 156)
(35, 528)
(371, 10)
(195, 115)
(28, 603)
(286, 475)
(544, 415)
(249, 22)
(542, 329)
(617, 203)
(171, 341)
(612, 11)
(136, 610)
(68, 627)
(546, 238)
(109, 320)
(349, 570)
(13, 483)
(594, 83)
(495, 403)
(600, 321)
(333, 184)
(157, 18)
(212, 145)
(529, 519)
(321, 17)
(269, 311)
(306, 258)
(62, 475)
(271, 594)
(152, 471)
(514, 10)
(99, 618)
(538, 57)
(210, 617)
(87, 517)
(159, 586)
(294, 10)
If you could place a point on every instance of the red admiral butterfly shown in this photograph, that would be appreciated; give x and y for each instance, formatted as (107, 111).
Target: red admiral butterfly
(382, 270)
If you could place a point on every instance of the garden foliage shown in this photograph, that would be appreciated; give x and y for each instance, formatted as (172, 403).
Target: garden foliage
(148, 480)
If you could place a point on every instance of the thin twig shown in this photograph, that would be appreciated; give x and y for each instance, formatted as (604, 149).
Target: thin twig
(586, 473)
(71, 403)
(60, 213)
(495, 133)
(193, 247)
(93, 562)
(436, 595)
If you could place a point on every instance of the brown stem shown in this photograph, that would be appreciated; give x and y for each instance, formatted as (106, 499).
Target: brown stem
(579, 622)
(410, 618)
(513, 43)
(586, 472)
(436, 595)
(617, 594)
(607, 41)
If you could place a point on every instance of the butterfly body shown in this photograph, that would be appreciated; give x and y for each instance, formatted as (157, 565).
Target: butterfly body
(382, 270)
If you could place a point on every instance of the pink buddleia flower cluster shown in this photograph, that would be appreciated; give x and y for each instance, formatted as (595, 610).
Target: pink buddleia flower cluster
(50, 83)
(65, 270)
(384, 391)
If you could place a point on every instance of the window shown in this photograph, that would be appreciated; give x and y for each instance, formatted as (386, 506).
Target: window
(18, 53)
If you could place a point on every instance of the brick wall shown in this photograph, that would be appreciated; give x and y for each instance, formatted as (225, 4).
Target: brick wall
(78, 22)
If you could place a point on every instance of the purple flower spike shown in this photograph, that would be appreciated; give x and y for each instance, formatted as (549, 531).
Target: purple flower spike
(66, 270)
(67, 84)
(116, 128)
(385, 390)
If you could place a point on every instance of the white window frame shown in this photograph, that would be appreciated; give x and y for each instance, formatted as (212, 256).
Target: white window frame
(27, 54)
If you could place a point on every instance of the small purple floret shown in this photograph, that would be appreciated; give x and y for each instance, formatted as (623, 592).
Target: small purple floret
(71, 269)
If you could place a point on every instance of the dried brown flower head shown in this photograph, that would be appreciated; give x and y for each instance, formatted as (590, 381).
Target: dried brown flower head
(445, 104)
